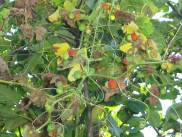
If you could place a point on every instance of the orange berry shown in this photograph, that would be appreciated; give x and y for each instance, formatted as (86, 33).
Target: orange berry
(125, 61)
(77, 15)
(134, 36)
(105, 6)
(72, 52)
(112, 84)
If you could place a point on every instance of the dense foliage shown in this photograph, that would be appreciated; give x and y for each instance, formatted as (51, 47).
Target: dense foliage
(89, 68)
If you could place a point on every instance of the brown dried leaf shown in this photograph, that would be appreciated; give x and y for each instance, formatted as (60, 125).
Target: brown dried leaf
(25, 3)
(153, 100)
(38, 98)
(1, 2)
(75, 105)
(40, 32)
(27, 31)
(29, 131)
(4, 70)
(121, 83)
(109, 93)
(125, 16)
(53, 133)
(154, 90)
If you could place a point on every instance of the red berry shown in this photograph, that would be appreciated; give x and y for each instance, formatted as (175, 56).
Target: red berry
(134, 36)
(112, 84)
(125, 61)
(105, 6)
(72, 53)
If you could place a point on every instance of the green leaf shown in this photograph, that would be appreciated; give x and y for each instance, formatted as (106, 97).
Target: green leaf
(4, 13)
(69, 5)
(8, 135)
(137, 106)
(145, 25)
(174, 112)
(10, 94)
(115, 130)
(15, 123)
(154, 118)
(136, 124)
(139, 134)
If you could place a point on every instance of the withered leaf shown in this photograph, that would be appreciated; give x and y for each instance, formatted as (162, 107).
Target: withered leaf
(38, 98)
(27, 31)
(40, 32)
(154, 90)
(25, 3)
(125, 16)
(109, 93)
(1, 2)
(4, 70)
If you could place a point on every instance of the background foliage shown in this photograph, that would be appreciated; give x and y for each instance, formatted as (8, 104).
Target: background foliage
(89, 68)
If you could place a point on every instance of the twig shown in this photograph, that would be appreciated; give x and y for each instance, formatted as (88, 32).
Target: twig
(89, 114)
(19, 130)
(172, 40)
(179, 15)
(16, 83)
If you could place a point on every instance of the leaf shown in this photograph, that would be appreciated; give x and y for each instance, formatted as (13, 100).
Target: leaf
(82, 53)
(145, 25)
(150, 9)
(54, 17)
(40, 32)
(1, 2)
(69, 5)
(27, 31)
(174, 112)
(15, 122)
(137, 106)
(10, 94)
(4, 13)
(167, 66)
(139, 134)
(76, 68)
(136, 124)
(154, 118)
(8, 135)
(130, 28)
(125, 47)
(4, 70)
(61, 49)
(115, 130)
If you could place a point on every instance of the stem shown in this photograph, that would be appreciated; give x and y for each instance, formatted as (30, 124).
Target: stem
(16, 83)
(19, 131)
(172, 40)
(89, 114)
(157, 131)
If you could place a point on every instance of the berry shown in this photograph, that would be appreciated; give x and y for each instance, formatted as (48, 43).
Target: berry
(112, 17)
(112, 84)
(134, 36)
(72, 53)
(105, 6)
(125, 61)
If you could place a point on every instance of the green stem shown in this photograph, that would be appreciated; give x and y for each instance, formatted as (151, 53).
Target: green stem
(16, 83)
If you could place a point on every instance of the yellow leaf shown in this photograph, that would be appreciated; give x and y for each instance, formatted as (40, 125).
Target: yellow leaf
(153, 50)
(130, 28)
(167, 66)
(125, 47)
(75, 68)
(82, 52)
(61, 48)
(55, 16)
